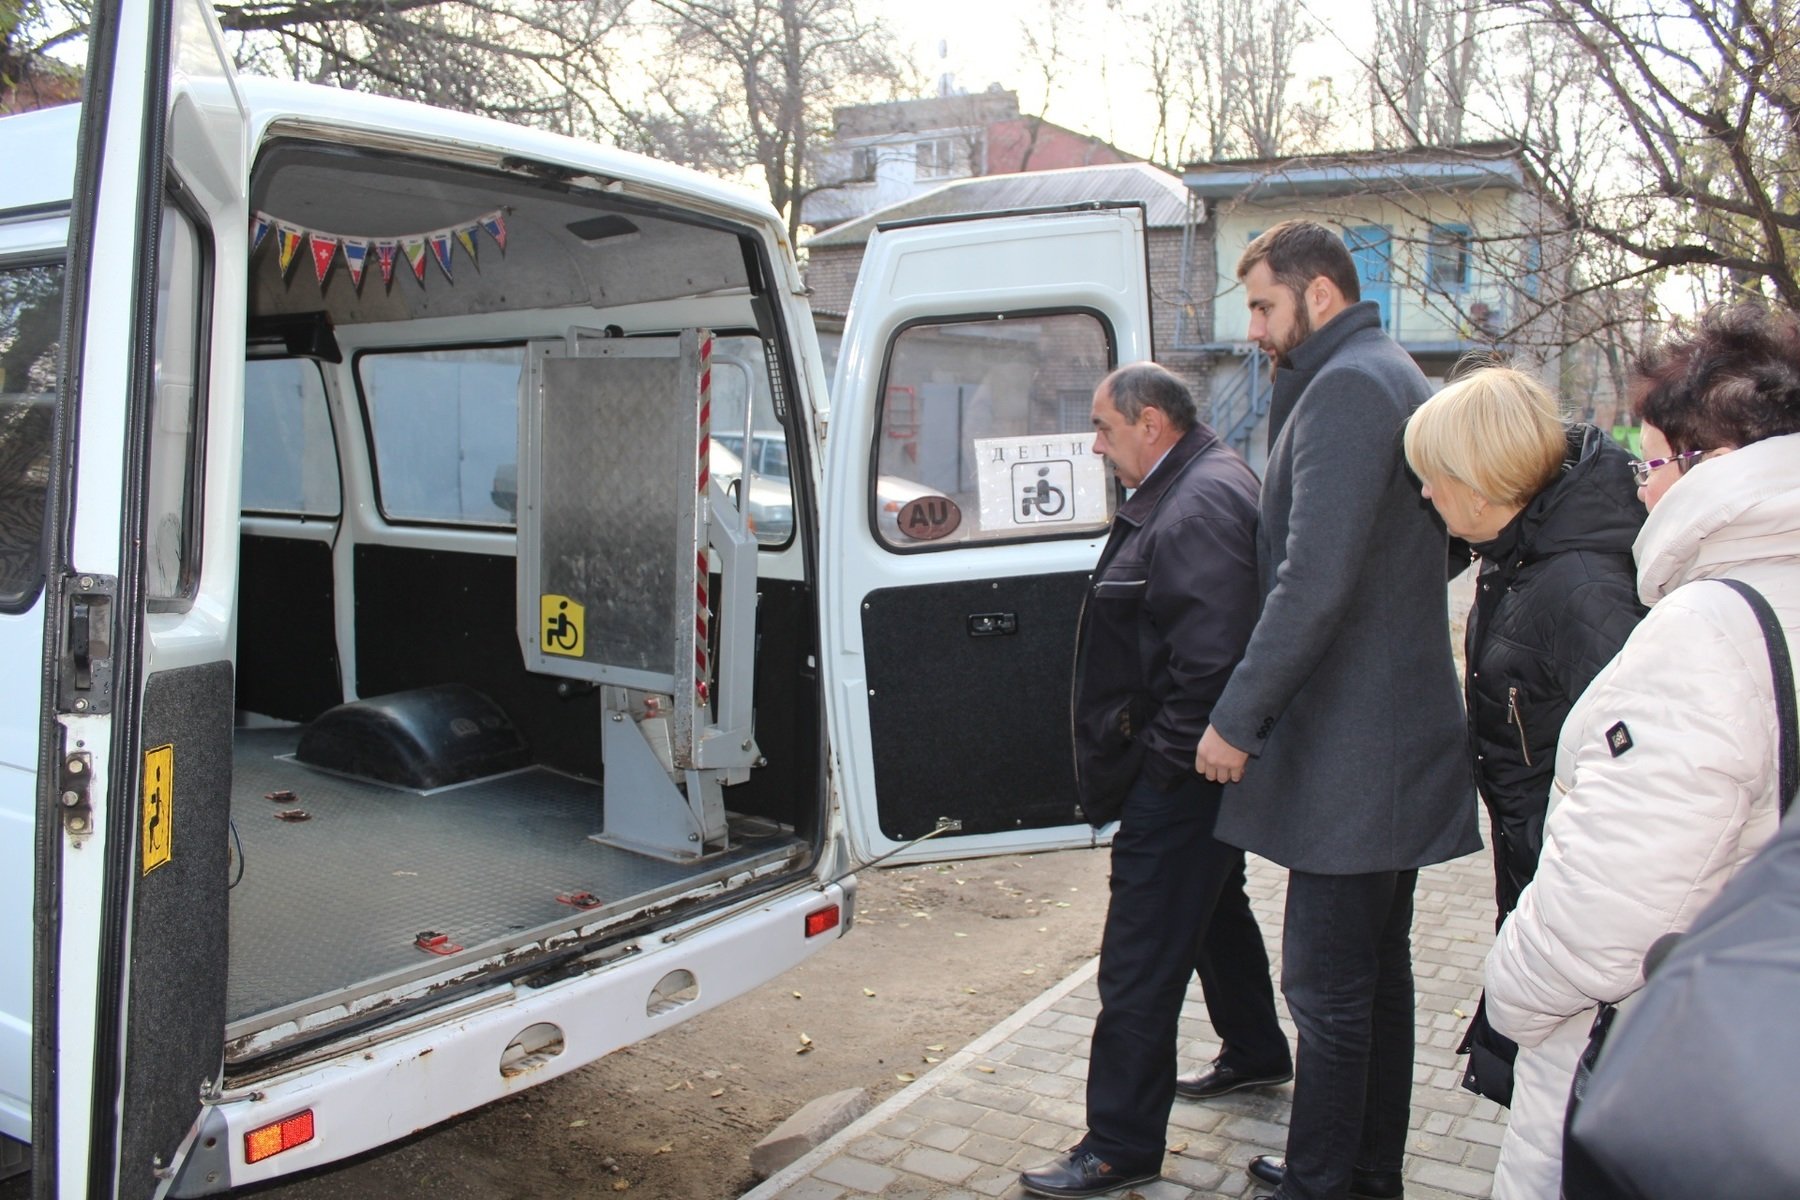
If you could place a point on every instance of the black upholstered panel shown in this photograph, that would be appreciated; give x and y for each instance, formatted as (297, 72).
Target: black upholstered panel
(175, 1032)
(787, 710)
(975, 728)
(425, 617)
(287, 644)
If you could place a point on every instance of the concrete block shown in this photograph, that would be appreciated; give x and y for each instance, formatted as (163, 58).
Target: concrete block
(816, 1121)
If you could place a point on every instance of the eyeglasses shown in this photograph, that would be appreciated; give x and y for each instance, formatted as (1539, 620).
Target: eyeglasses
(1640, 471)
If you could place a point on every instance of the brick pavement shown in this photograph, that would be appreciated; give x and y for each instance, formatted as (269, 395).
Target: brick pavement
(1014, 1097)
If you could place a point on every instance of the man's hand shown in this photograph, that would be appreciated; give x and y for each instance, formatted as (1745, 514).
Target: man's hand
(1218, 759)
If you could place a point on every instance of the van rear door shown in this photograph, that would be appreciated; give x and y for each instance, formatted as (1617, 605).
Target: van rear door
(134, 755)
(964, 508)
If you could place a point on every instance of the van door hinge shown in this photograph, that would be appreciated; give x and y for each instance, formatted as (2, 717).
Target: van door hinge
(85, 674)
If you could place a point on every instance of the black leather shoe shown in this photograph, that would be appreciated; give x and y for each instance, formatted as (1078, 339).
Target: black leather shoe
(1268, 1171)
(1220, 1080)
(1081, 1173)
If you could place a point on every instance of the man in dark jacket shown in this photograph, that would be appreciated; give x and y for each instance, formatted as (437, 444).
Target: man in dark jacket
(1347, 699)
(1171, 603)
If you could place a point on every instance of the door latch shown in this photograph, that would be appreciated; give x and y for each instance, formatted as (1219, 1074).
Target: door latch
(993, 624)
(85, 676)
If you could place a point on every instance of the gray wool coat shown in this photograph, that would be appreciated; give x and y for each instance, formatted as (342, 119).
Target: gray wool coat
(1347, 696)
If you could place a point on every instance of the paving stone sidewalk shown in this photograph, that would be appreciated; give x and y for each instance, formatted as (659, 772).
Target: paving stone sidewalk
(1014, 1097)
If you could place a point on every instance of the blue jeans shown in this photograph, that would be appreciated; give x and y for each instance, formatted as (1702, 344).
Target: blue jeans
(1346, 971)
(1177, 906)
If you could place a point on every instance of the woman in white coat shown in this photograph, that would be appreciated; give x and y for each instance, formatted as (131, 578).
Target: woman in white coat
(1666, 768)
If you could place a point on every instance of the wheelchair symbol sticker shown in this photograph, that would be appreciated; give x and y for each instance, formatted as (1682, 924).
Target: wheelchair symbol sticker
(561, 625)
(1041, 491)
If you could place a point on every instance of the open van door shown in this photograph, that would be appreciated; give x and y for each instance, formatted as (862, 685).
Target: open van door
(134, 754)
(964, 508)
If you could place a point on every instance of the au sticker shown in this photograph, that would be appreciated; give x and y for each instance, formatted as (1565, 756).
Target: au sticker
(561, 625)
(159, 807)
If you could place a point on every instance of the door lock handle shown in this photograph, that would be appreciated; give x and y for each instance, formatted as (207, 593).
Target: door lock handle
(998, 624)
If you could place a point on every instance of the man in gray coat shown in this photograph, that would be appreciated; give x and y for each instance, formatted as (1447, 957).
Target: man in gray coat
(1342, 729)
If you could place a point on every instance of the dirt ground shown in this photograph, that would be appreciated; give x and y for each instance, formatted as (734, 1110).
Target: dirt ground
(939, 955)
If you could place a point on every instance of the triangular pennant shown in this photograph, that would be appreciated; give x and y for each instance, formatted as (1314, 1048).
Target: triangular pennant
(356, 256)
(384, 254)
(495, 224)
(324, 249)
(414, 248)
(288, 244)
(467, 238)
(259, 229)
(440, 250)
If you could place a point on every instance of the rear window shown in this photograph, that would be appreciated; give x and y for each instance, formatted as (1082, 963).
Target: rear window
(30, 325)
(290, 458)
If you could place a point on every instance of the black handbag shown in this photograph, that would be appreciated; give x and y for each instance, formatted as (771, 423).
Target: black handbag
(1681, 1102)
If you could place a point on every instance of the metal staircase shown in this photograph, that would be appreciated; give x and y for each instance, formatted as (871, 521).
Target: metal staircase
(1239, 406)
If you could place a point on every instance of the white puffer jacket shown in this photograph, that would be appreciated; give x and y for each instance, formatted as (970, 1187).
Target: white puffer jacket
(1665, 783)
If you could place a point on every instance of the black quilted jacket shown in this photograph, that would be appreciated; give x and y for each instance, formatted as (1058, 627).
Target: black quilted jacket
(1556, 598)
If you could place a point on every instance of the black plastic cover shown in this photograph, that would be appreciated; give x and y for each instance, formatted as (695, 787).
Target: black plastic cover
(425, 738)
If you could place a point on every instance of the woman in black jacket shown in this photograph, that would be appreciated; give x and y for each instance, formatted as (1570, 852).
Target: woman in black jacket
(1552, 511)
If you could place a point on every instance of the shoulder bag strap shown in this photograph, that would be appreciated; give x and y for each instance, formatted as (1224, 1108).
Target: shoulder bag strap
(1788, 754)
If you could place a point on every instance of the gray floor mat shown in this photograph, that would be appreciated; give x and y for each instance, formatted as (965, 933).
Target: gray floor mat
(336, 901)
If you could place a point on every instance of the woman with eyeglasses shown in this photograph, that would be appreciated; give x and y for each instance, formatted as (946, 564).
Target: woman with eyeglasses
(1666, 773)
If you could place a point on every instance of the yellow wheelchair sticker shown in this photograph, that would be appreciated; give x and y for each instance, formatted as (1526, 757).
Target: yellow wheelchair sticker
(159, 807)
(561, 623)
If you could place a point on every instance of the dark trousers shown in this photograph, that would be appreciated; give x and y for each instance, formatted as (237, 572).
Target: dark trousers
(1346, 970)
(1177, 906)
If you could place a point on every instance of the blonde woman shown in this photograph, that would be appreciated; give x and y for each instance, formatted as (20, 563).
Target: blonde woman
(1552, 510)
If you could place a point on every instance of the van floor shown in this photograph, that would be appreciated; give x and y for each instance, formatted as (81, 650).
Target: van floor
(330, 906)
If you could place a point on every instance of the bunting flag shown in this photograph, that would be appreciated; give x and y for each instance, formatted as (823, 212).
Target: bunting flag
(289, 244)
(440, 250)
(384, 254)
(324, 249)
(325, 246)
(414, 249)
(356, 256)
(495, 224)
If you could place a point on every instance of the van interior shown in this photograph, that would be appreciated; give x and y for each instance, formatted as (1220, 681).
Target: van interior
(520, 672)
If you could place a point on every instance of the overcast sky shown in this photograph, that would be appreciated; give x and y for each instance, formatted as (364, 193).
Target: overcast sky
(1103, 91)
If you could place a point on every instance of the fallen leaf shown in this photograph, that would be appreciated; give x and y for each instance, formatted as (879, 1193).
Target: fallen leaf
(665, 1148)
(678, 1085)
(1029, 971)
(1178, 1147)
(906, 1077)
(972, 991)
(622, 1185)
(928, 1058)
(807, 1049)
(960, 935)
(804, 1040)
(1043, 929)
(1459, 1012)
(1062, 904)
(923, 916)
(868, 991)
(984, 1069)
(798, 996)
(939, 1048)
(578, 1122)
(716, 1093)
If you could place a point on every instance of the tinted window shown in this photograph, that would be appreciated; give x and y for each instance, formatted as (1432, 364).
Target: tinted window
(30, 324)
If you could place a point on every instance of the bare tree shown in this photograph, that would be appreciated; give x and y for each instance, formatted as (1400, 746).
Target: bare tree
(1424, 68)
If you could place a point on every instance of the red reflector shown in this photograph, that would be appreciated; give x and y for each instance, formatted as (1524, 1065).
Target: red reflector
(819, 921)
(284, 1134)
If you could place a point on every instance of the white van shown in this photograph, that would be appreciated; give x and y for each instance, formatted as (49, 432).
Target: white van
(402, 714)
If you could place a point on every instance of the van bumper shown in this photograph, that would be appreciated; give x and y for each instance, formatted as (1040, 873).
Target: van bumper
(376, 1094)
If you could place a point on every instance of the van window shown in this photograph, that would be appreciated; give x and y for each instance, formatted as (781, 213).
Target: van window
(742, 401)
(172, 555)
(978, 426)
(290, 461)
(445, 425)
(30, 318)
